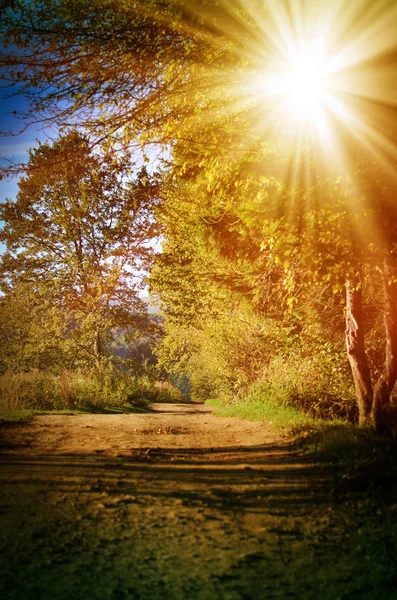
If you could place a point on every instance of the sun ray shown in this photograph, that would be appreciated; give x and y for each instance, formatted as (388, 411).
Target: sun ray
(316, 79)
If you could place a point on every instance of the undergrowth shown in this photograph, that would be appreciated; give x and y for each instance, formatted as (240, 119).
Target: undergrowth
(351, 449)
(43, 391)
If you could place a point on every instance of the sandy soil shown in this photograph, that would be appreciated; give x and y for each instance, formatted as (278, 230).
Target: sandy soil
(171, 504)
(166, 427)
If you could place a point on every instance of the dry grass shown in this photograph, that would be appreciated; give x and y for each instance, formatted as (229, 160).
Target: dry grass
(43, 390)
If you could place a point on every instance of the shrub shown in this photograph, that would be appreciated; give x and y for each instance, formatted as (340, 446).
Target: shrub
(318, 384)
(34, 390)
(287, 362)
(42, 390)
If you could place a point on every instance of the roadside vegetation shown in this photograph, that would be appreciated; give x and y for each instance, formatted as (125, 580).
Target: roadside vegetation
(74, 391)
(274, 288)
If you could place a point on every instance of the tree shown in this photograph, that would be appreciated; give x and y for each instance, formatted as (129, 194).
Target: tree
(125, 71)
(180, 74)
(34, 334)
(238, 231)
(233, 304)
(347, 240)
(79, 233)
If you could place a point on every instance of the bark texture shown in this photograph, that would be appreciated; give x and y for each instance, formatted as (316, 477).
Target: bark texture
(97, 349)
(387, 379)
(356, 350)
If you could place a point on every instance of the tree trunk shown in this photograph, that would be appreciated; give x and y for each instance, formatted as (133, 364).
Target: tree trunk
(385, 384)
(356, 350)
(98, 351)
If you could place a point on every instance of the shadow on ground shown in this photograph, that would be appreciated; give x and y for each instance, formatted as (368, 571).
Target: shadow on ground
(213, 477)
(188, 524)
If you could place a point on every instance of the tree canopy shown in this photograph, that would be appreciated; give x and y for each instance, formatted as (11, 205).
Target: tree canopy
(265, 205)
(79, 235)
(126, 71)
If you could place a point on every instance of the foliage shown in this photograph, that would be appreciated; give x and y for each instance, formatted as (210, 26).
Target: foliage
(236, 237)
(43, 390)
(316, 384)
(220, 358)
(135, 85)
(237, 314)
(77, 239)
(247, 219)
(240, 353)
(315, 380)
(33, 332)
(136, 353)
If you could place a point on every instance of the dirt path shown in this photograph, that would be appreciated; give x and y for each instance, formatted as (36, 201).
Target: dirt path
(165, 426)
(171, 504)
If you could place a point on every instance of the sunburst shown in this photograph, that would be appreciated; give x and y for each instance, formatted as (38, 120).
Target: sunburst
(317, 79)
(331, 74)
(300, 86)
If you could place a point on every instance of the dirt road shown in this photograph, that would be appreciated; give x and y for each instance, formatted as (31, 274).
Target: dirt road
(171, 504)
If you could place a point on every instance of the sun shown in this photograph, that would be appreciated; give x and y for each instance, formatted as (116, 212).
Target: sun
(300, 88)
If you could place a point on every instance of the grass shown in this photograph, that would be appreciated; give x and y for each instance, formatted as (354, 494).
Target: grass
(353, 451)
(25, 394)
(23, 414)
(15, 415)
(260, 411)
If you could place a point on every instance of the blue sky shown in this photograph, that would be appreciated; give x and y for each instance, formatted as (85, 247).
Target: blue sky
(14, 148)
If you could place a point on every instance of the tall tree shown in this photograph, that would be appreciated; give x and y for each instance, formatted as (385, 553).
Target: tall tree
(80, 232)
(188, 76)
(126, 71)
(238, 229)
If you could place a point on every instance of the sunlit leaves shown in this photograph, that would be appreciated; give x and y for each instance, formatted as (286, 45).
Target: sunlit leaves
(80, 233)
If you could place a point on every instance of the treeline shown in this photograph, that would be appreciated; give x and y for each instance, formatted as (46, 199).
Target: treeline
(254, 296)
(278, 253)
(74, 330)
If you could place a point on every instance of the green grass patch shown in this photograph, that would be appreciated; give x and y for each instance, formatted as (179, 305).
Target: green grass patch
(14, 416)
(213, 402)
(24, 414)
(256, 410)
(356, 454)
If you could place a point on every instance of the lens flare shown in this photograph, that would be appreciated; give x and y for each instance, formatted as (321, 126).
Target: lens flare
(313, 80)
(301, 86)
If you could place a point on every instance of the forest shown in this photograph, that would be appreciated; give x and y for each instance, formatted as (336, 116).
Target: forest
(250, 187)
(205, 227)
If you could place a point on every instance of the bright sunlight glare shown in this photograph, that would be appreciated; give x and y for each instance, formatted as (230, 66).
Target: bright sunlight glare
(319, 85)
(325, 77)
(301, 88)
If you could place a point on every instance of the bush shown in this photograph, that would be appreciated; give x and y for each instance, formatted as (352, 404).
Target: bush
(42, 390)
(318, 384)
(31, 390)
(222, 357)
(288, 362)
